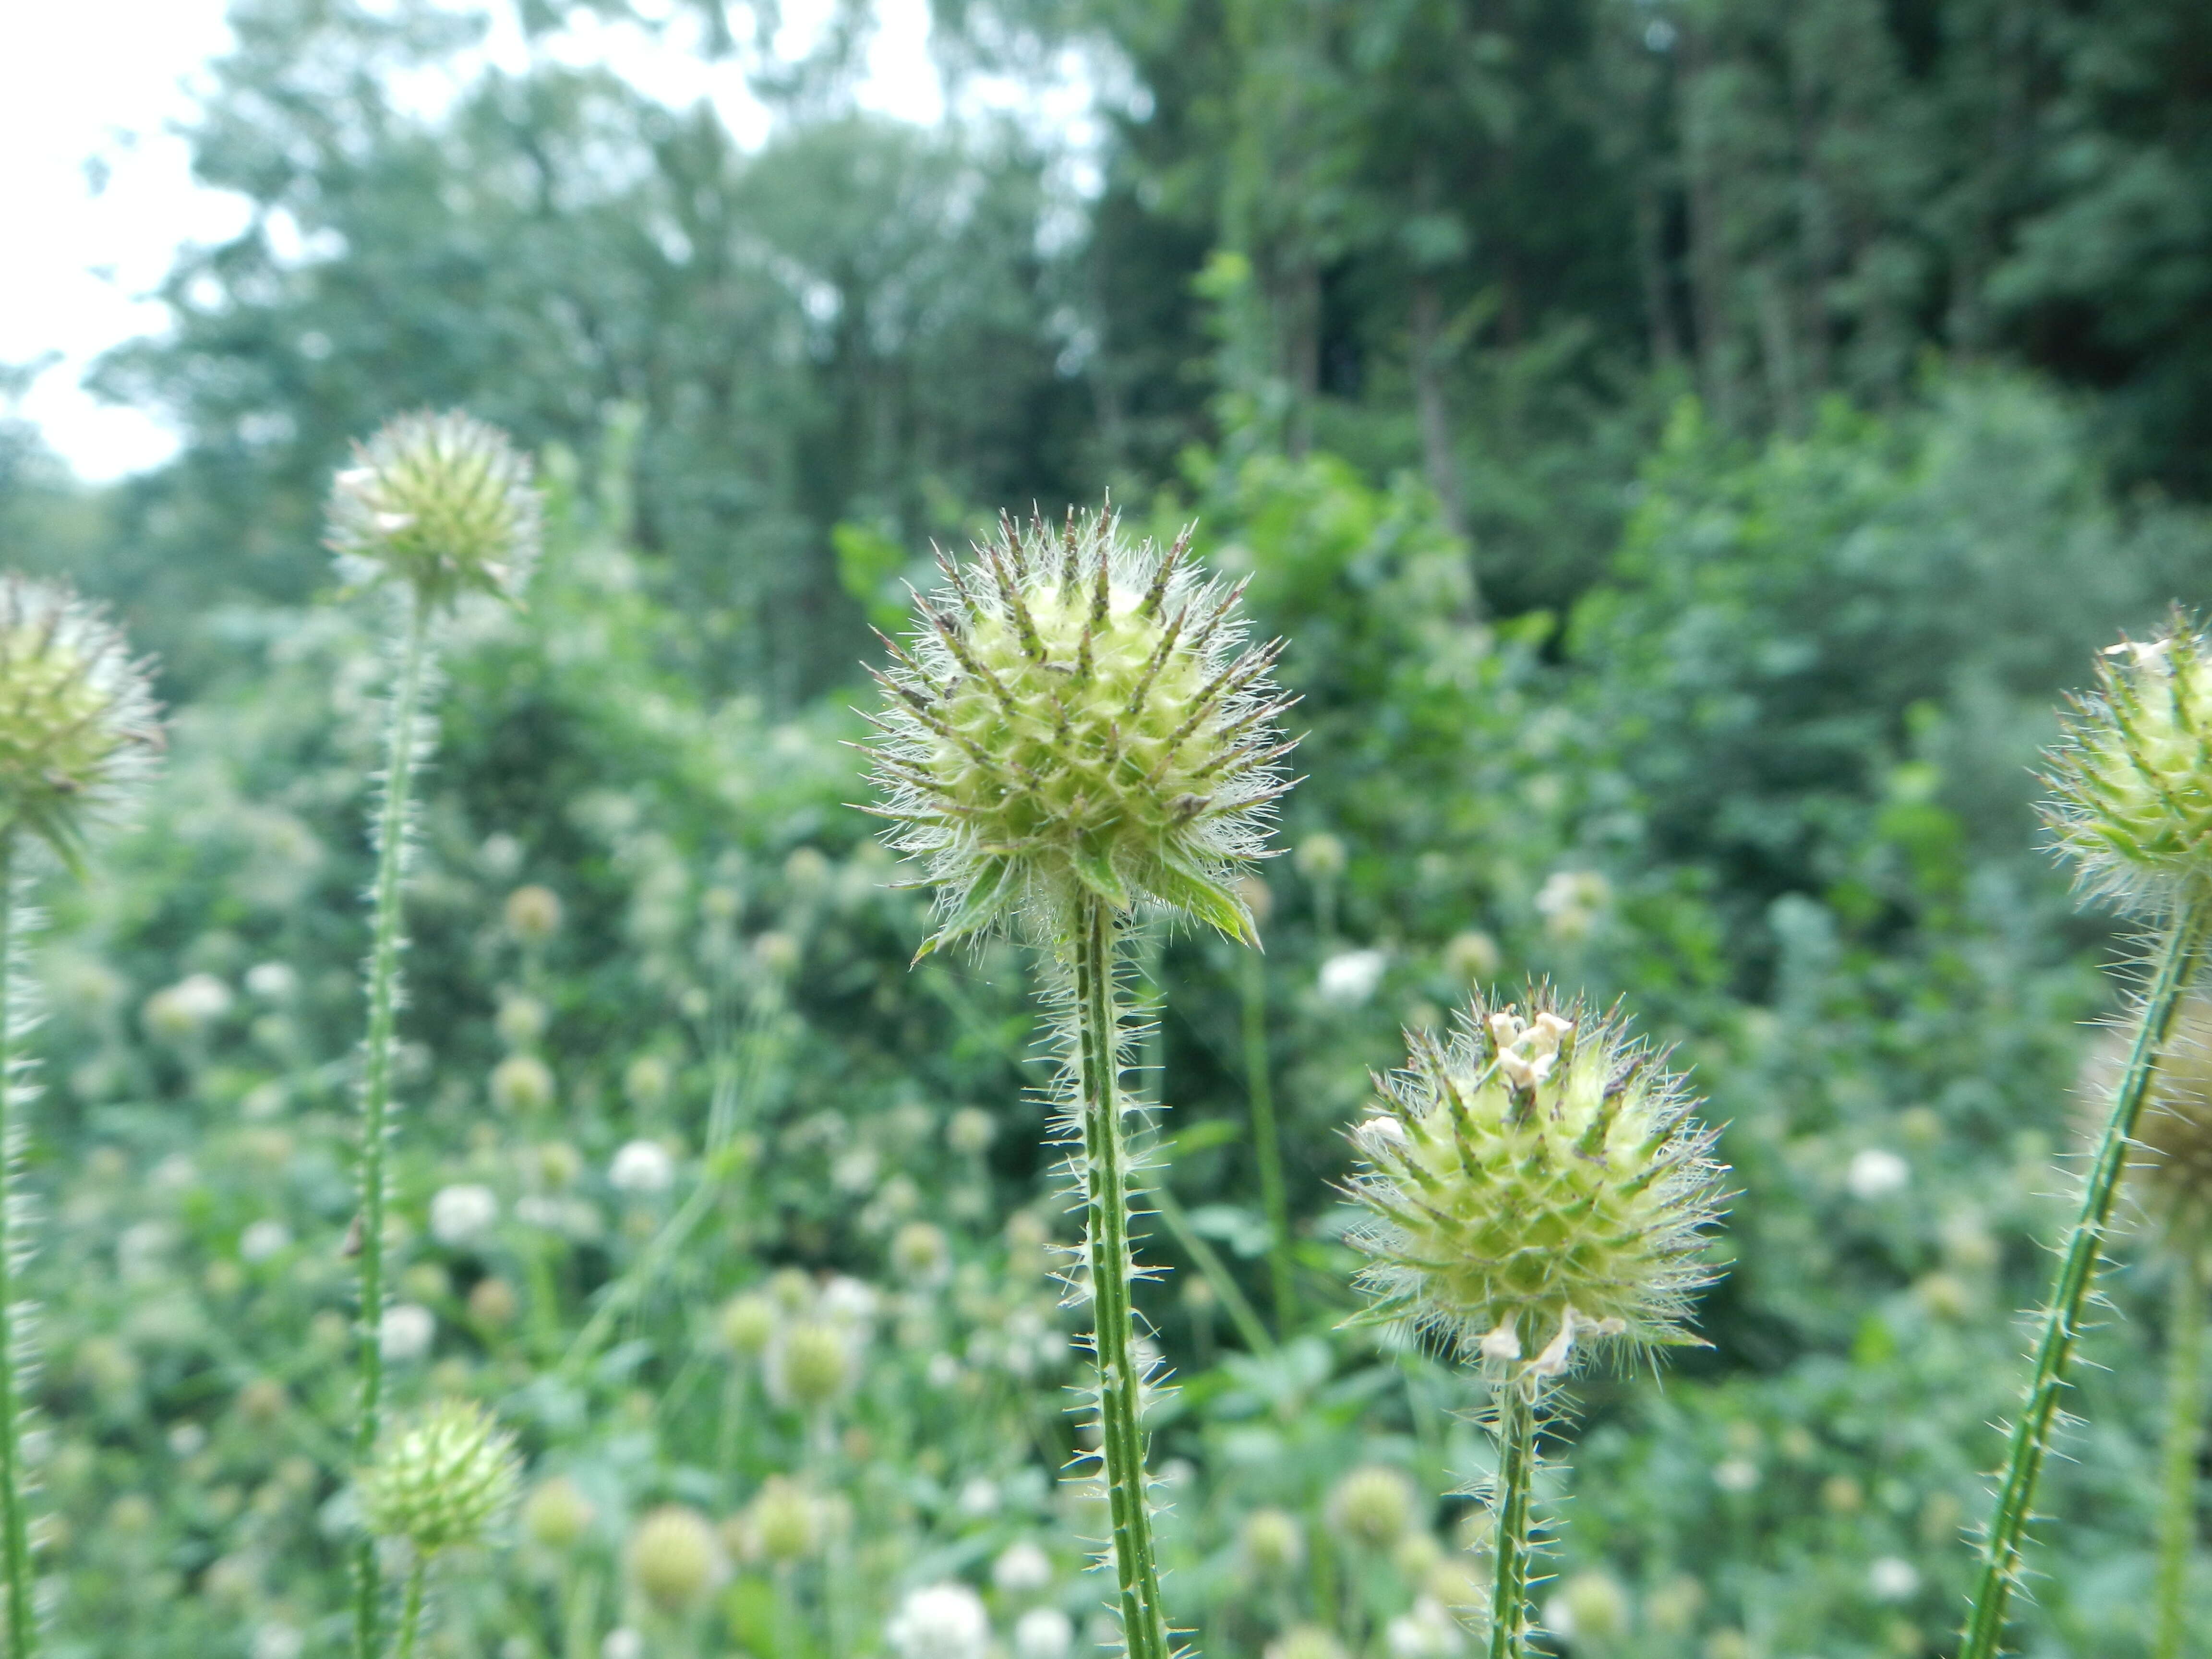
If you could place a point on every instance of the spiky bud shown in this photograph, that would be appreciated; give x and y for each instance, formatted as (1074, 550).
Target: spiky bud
(77, 721)
(675, 1557)
(1077, 715)
(811, 1363)
(522, 1083)
(443, 1481)
(533, 914)
(1535, 1183)
(747, 1323)
(2131, 779)
(557, 1515)
(1273, 1543)
(441, 503)
(786, 1520)
(1373, 1507)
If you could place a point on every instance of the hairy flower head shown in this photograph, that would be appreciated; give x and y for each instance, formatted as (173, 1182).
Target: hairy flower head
(443, 503)
(77, 722)
(1535, 1183)
(443, 1481)
(2131, 779)
(1077, 715)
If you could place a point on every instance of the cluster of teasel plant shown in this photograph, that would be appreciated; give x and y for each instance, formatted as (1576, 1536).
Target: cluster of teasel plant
(78, 730)
(434, 507)
(1079, 734)
(2169, 1176)
(1538, 1195)
(2131, 809)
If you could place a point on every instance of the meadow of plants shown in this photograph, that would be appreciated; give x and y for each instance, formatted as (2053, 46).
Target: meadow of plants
(489, 983)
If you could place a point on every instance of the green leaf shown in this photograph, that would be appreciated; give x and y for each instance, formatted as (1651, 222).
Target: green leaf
(1095, 870)
(988, 896)
(1204, 899)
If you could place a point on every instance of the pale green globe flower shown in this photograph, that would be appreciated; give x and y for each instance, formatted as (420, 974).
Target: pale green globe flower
(1536, 1186)
(444, 1482)
(1080, 715)
(441, 502)
(78, 727)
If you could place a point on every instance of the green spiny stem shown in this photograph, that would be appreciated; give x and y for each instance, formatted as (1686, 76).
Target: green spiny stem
(2181, 954)
(1106, 1185)
(2184, 1432)
(376, 1090)
(1267, 1143)
(15, 1518)
(1510, 1503)
(410, 1612)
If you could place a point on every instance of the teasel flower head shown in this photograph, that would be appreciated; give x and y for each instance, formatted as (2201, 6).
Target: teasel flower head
(1076, 715)
(2169, 1170)
(1536, 1188)
(441, 502)
(442, 1481)
(78, 727)
(2132, 779)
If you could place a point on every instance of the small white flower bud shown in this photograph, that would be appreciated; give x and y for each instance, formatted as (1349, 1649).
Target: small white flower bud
(641, 1167)
(944, 1621)
(406, 1331)
(461, 1214)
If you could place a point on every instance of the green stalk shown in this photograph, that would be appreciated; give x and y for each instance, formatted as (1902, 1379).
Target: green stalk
(1106, 1191)
(410, 1614)
(1508, 1508)
(15, 1518)
(2181, 954)
(1268, 1142)
(2184, 1432)
(376, 1089)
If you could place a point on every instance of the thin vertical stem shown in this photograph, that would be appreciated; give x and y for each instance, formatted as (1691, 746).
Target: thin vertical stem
(410, 1612)
(376, 1087)
(1509, 1501)
(2181, 954)
(1106, 1184)
(2184, 1433)
(1267, 1143)
(15, 1519)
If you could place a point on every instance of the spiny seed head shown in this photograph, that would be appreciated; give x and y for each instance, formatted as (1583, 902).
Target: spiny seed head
(1536, 1183)
(443, 1481)
(2131, 779)
(1373, 1507)
(443, 503)
(811, 1363)
(1077, 715)
(786, 1520)
(557, 1515)
(77, 721)
(675, 1557)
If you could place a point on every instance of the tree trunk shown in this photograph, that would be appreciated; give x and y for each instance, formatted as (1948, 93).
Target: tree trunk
(1439, 454)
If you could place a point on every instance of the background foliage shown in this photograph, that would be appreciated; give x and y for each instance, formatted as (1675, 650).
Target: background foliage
(1689, 445)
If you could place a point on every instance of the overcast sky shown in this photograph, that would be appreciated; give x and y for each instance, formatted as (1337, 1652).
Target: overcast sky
(110, 79)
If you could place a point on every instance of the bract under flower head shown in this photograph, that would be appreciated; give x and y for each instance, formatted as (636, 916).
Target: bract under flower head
(443, 503)
(2131, 780)
(1077, 715)
(77, 721)
(442, 1482)
(1537, 1186)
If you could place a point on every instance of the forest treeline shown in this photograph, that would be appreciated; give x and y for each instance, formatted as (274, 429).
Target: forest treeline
(1487, 243)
